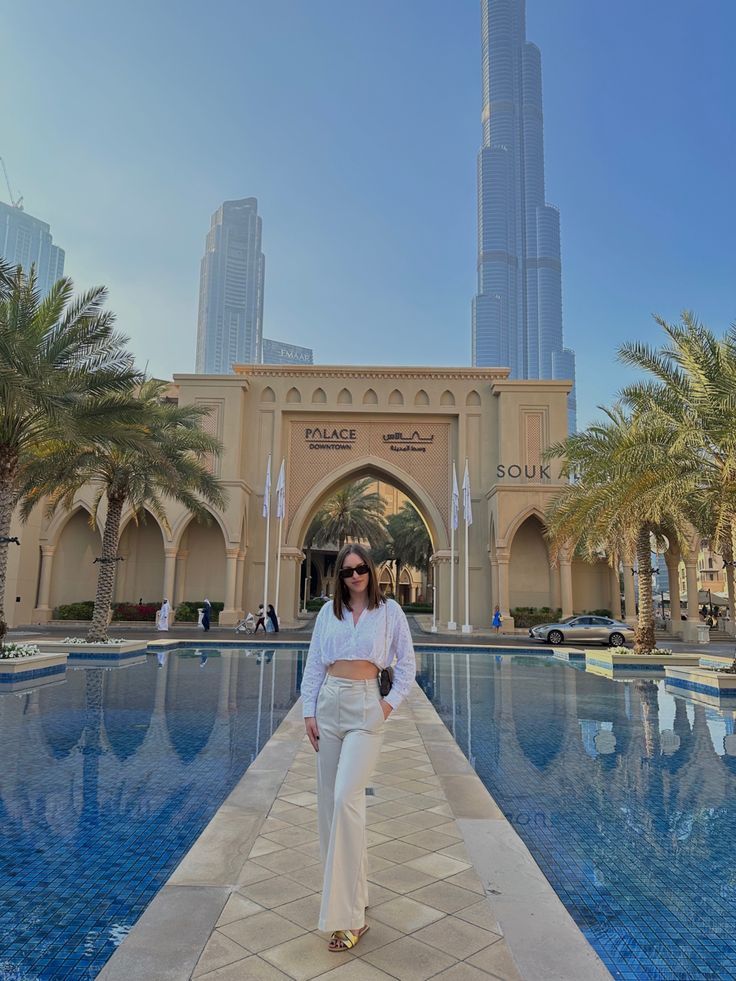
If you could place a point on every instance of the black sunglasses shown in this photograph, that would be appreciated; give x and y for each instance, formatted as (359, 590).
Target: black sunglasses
(358, 570)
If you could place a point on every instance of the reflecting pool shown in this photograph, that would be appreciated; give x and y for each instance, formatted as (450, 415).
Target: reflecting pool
(107, 779)
(624, 794)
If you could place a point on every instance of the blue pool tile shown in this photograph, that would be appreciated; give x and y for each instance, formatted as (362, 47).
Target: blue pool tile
(632, 833)
(112, 777)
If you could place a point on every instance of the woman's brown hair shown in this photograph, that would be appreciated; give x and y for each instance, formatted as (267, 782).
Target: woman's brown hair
(341, 599)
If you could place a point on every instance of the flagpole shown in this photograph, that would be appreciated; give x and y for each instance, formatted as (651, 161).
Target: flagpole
(280, 490)
(267, 516)
(467, 627)
(278, 565)
(451, 625)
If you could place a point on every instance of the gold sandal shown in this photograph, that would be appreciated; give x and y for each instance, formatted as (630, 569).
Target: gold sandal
(345, 939)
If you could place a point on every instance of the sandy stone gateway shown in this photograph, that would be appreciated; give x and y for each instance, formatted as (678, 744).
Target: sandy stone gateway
(333, 425)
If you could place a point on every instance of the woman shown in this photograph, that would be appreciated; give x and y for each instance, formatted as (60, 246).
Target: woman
(496, 621)
(354, 636)
(163, 616)
(271, 614)
(206, 614)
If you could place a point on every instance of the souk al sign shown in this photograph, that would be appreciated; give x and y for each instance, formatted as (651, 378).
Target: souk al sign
(518, 471)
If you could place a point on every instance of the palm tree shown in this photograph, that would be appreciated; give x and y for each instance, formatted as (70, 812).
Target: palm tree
(691, 393)
(63, 369)
(169, 460)
(412, 538)
(628, 486)
(352, 512)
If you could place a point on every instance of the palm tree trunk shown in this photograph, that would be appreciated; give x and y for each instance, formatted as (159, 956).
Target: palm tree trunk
(645, 639)
(97, 633)
(8, 500)
(727, 553)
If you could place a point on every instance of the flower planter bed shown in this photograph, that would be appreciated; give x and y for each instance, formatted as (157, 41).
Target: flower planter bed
(23, 669)
(114, 652)
(715, 684)
(716, 661)
(611, 660)
(568, 655)
(107, 661)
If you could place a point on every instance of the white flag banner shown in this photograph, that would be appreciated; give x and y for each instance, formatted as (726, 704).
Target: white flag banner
(280, 492)
(455, 498)
(267, 490)
(467, 509)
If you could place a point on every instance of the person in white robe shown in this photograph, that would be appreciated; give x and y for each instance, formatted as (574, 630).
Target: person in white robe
(163, 616)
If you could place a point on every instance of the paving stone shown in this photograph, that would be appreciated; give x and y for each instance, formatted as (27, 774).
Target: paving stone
(430, 840)
(252, 968)
(409, 960)
(400, 878)
(463, 972)
(252, 873)
(257, 933)
(263, 846)
(219, 951)
(456, 937)
(237, 907)
(306, 957)
(357, 970)
(287, 860)
(289, 836)
(496, 961)
(479, 913)
(405, 914)
(276, 891)
(449, 898)
(397, 851)
(304, 912)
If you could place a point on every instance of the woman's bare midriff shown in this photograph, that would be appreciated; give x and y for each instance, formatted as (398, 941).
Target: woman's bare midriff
(354, 670)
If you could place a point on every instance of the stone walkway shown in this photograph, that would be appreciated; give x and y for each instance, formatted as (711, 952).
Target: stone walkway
(454, 894)
(428, 914)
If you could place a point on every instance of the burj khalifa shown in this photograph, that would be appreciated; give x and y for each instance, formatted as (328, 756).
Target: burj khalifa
(517, 311)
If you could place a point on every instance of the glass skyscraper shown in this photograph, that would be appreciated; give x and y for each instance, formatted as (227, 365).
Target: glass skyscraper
(517, 311)
(26, 241)
(230, 323)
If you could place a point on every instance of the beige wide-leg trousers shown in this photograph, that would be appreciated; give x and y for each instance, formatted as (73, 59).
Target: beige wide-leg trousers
(350, 721)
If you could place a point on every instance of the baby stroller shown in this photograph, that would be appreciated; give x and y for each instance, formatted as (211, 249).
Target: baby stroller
(247, 625)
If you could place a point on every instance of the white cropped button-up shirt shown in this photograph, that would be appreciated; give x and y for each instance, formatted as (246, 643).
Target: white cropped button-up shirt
(381, 636)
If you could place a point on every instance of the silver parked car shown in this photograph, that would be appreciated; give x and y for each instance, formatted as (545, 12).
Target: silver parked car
(584, 630)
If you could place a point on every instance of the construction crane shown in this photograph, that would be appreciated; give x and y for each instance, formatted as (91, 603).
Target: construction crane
(16, 202)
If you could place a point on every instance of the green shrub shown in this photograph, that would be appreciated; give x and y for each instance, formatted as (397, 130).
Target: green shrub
(186, 612)
(134, 611)
(416, 607)
(532, 616)
(75, 611)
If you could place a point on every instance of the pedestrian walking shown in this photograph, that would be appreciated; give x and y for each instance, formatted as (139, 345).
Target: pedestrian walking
(496, 621)
(206, 614)
(261, 621)
(356, 637)
(162, 620)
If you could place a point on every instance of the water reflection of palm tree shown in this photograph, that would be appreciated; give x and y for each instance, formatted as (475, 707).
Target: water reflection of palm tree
(648, 701)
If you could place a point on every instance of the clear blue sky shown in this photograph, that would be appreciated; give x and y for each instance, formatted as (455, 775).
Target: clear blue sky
(356, 125)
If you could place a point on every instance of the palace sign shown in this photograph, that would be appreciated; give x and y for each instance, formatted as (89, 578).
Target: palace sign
(344, 438)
